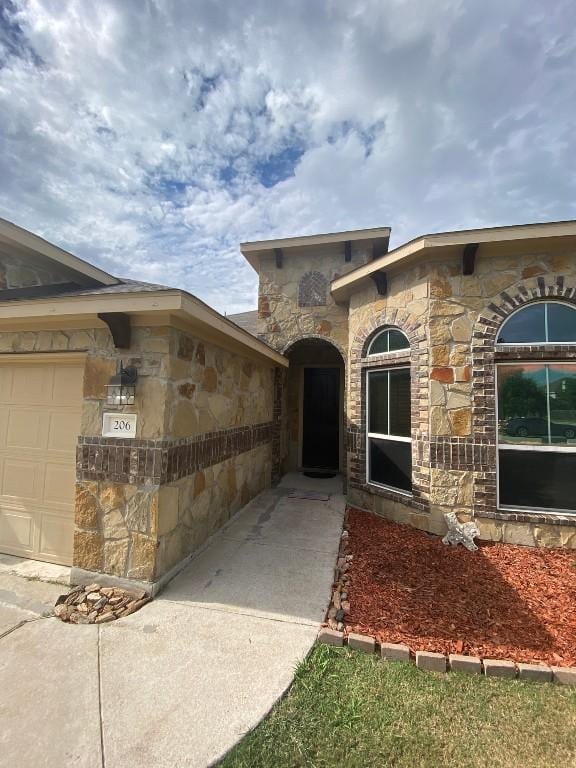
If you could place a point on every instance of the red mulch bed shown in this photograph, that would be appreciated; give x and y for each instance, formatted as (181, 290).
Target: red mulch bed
(502, 601)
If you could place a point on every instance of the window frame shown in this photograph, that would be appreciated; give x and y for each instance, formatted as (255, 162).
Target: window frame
(381, 332)
(378, 435)
(550, 448)
(546, 302)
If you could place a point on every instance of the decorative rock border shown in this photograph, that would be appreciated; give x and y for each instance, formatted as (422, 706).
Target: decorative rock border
(339, 604)
(438, 662)
(94, 604)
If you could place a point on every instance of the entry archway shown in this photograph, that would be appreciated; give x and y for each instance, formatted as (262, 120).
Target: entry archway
(315, 406)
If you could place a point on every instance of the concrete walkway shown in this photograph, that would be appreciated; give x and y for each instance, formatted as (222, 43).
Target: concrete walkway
(178, 683)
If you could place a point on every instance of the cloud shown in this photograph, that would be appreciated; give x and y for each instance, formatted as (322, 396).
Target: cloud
(152, 136)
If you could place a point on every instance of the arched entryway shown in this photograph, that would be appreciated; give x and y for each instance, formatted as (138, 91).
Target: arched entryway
(315, 406)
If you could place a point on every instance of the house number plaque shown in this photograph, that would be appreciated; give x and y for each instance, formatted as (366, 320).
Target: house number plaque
(119, 425)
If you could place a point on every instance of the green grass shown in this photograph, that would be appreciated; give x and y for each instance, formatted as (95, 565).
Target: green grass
(350, 709)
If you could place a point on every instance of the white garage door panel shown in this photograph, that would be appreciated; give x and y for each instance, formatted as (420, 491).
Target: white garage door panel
(39, 426)
(16, 531)
(56, 537)
(59, 436)
(31, 384)
(27, 427)
(59, 485)
(21, 481)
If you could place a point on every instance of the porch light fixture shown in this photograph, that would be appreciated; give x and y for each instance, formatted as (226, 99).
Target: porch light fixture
(122, 387)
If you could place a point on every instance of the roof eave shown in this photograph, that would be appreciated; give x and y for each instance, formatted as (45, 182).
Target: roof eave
(253, 250)
(343, 287)
(207, 321)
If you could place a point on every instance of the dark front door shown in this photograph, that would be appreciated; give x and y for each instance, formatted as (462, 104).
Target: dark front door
(321, 418)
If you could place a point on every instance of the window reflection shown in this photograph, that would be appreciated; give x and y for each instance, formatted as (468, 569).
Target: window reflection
(527, 325)
(541, 323)
(537, 404)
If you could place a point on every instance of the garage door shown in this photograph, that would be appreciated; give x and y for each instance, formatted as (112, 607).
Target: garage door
(39, 427)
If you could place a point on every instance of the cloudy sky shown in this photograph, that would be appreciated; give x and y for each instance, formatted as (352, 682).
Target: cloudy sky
(152, 136)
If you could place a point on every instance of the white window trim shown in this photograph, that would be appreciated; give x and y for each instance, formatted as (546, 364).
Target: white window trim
(526, 447)
(388, 351)
(503, 345)
(380, 436)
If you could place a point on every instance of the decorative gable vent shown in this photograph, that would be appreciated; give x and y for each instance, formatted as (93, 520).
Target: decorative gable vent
(312, 290)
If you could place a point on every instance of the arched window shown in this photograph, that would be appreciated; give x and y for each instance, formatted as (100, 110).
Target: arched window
(388, 417)
(545, 322)
(389, 339)
(537, 412)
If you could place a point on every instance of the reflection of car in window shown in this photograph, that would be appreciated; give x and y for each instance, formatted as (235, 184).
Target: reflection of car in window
(537, 427)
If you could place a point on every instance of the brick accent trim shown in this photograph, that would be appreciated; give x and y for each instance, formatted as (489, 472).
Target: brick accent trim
(417, 357)
(485, 355)
(276, 430)
(142, 462)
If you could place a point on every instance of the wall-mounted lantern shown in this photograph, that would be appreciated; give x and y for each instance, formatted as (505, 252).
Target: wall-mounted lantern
(122, 387)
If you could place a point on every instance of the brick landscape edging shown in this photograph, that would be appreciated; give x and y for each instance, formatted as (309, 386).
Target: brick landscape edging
(425, 660)
(439, 662)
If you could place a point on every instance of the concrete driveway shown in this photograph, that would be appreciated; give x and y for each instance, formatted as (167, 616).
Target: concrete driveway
(178, 683)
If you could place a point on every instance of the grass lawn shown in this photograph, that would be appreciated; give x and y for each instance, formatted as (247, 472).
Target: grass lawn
(350, 709)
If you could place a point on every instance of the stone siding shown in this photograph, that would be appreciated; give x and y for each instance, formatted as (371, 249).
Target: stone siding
(213, 389)
(196, 506)
(295, 304)
(203, 411)
(406, 307)
(290, 305)
(453, 319)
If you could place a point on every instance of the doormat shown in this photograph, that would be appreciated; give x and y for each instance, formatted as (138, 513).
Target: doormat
(310, 495)
(319, 474)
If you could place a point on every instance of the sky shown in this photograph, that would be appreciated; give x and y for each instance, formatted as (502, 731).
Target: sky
(151, 137)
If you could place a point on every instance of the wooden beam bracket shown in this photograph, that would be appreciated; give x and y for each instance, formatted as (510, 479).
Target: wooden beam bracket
(380, 247)
(279, 257)
(381, 282)
(348, 250)
(469, 258)
(119, 325)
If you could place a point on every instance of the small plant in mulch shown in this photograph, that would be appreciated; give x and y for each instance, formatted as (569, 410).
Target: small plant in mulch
(97, 605)
(402, 585)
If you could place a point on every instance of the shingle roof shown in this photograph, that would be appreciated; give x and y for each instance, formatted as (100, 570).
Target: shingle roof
(125, 286)
(65, 290)
(248, 321)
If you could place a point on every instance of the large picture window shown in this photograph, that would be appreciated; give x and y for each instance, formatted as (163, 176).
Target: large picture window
(537, 435)
(389, 445)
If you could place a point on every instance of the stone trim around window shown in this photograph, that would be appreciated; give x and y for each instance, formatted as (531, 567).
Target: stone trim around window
(486, 353)
(417, 358)
(156, 462)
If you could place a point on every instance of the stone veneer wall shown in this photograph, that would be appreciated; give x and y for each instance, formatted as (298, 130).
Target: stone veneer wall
(289, 304)
(454, 320)
(404, 306)
(213, 454)
(294, 303)
(203, 445)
